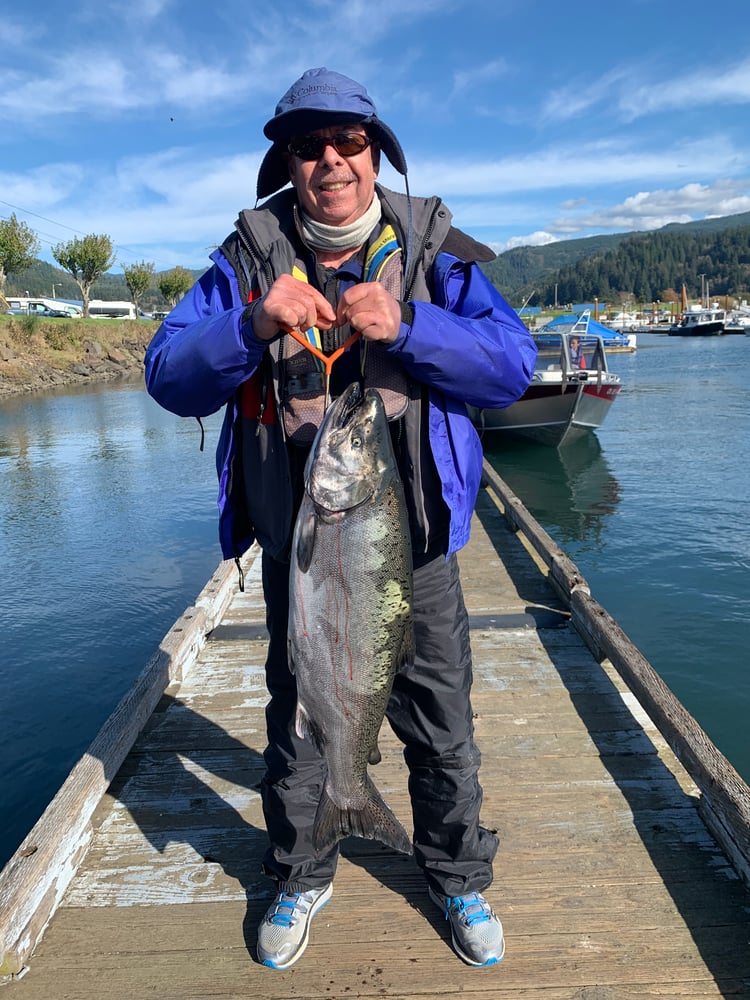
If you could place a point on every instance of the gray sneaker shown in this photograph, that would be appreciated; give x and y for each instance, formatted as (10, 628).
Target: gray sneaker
(476, 931)
(285, 929)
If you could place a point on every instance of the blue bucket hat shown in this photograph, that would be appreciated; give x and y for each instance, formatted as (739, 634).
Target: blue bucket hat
(320, 98)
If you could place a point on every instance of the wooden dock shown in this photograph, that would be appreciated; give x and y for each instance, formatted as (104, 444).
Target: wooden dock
(609, 884)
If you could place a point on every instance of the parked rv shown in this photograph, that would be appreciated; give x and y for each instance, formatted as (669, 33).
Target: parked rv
(102, 308)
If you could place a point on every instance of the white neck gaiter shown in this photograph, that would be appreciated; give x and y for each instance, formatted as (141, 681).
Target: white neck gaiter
(323, 237)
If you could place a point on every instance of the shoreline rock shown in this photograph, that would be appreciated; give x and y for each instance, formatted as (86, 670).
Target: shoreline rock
(33, 367)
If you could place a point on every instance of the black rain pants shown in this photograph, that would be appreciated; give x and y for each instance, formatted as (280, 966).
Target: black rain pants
(429, 710)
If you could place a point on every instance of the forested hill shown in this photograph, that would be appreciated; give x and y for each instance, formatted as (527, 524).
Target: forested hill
(644, 265)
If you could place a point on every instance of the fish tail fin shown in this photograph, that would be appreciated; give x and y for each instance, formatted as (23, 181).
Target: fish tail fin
(374, 821)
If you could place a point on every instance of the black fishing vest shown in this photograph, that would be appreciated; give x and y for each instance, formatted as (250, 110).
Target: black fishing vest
(281, 405)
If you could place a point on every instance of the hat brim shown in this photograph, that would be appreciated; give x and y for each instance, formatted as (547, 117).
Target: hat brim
(274, 169)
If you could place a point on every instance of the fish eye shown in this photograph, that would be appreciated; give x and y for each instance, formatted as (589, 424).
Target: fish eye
(356, 441)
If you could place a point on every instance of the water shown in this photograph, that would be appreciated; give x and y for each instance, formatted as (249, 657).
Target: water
(108, 518)
(654, 511)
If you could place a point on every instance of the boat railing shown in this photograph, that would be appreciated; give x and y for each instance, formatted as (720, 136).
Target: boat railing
(589, 362)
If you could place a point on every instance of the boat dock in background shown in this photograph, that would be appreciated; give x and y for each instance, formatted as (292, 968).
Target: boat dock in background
(624, 863)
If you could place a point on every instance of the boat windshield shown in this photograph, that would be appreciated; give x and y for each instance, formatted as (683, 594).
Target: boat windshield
(569, 352)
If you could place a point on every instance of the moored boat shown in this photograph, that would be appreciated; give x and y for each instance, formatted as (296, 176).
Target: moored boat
(570, 393)
(738, 321)
(700, 323)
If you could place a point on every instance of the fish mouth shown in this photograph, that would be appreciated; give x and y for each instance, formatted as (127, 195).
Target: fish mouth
(349, 402)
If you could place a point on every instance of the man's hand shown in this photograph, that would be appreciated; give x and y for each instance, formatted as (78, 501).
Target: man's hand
(290, 302)
(371, 311)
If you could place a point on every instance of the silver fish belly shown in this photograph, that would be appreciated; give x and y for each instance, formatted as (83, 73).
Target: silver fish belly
(350, 625)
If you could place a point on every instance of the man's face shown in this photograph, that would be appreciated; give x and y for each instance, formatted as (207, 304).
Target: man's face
(336, 189)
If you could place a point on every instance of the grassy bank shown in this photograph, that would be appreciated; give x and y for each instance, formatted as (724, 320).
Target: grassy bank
(37, 353)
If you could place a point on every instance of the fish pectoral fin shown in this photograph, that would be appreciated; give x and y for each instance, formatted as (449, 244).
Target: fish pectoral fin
(306, 728)
(374, 756)
(305, 537)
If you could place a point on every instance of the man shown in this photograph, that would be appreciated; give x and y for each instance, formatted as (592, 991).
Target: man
(332, 255)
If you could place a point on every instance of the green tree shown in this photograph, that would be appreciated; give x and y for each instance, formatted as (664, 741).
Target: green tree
(86, 260)
(138, 278)
(18, 247)
(173, 284)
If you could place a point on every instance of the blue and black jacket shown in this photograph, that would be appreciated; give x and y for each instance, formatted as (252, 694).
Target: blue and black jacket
(459, 340)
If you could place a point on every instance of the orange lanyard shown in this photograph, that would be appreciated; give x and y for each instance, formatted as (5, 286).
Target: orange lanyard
(326, 359)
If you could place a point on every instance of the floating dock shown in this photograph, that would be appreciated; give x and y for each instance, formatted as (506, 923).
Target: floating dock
(622, 872)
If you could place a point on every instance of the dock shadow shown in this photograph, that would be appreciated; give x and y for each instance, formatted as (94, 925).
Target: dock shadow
(711, 899)
(165, 785)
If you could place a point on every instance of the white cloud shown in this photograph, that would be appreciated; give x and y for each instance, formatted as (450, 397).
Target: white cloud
(624, 89)
(144, 10)
(102, 84)
(653, 209)
(710, 86)
(580, 166)
(195, 201)
(476, 77)
(12, 32)
(538, 239)
(577, 97)
(43, 186)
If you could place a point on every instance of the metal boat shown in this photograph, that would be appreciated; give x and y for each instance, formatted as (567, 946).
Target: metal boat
(570, 393)
(700, 323)
(738, 321)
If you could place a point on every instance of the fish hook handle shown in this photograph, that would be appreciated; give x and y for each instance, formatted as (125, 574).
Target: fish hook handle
(327, 360)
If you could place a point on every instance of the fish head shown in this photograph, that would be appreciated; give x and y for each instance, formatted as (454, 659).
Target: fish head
(351, 458)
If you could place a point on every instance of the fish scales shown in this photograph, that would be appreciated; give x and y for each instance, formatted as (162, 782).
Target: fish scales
(350, 626)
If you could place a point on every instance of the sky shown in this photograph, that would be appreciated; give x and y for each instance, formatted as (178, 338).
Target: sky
(534, 120)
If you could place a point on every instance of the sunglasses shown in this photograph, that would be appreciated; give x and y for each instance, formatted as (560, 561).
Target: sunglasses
(312, 147)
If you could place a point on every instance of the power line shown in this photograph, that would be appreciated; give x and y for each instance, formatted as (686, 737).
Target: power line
(78, 232)
(26, 211)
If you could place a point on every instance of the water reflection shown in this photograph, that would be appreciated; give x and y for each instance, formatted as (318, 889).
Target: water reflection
(107, 532)
(572, 487)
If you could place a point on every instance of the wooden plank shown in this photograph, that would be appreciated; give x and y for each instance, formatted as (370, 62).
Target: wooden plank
(725, 796)
(146, 953)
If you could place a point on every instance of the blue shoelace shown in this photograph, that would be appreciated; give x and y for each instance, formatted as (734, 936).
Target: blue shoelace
(470, 908)
(289, 901)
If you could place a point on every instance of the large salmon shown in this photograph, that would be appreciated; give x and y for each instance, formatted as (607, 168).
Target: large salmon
(350, 625)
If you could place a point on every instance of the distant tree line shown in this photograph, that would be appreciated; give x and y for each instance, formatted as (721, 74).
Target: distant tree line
(519, 272)
(523, 270)
(653, 267)
(87, 260)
